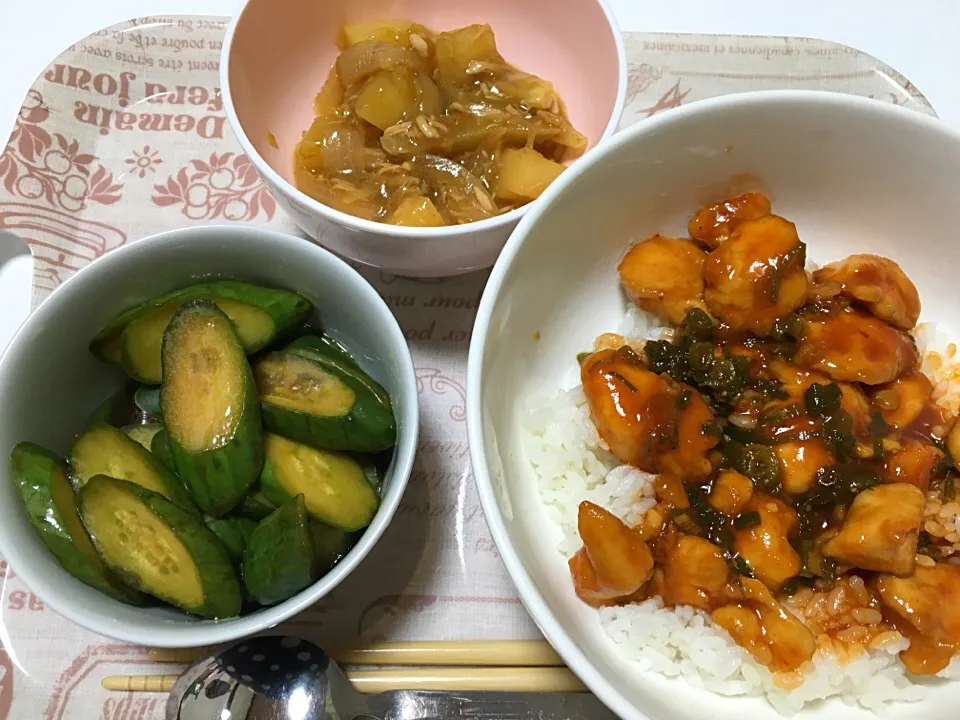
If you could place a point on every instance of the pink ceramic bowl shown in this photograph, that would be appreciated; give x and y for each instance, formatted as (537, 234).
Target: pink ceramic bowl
(277, 54)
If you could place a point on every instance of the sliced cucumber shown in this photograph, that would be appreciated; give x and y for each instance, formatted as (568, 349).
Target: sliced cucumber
(306, 347)
(334, 486)
(233, 533)
(118, 409)
(279, 560)
(159, 548)
(321, 405)
(41, 479)
(140, 344)
(327, 346)
(375, 468)
(286, 310)
(147, 398)
(105, 450)
(160, 447)
(210, 408)
(255, 506)
(143, 434)
(330, 544)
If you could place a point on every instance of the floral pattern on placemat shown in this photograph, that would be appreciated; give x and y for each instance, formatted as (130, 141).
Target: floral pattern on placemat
(223, 186)
(39, 165)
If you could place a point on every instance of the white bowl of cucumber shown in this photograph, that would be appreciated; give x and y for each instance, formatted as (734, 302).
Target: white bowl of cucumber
(208, 430)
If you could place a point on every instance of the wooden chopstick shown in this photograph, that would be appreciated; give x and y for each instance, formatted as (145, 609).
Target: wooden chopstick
(503, 679)
(178, 655)
(492, 653)
(463, 679)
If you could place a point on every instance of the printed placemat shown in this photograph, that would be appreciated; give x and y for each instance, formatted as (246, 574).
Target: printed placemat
(124, 136)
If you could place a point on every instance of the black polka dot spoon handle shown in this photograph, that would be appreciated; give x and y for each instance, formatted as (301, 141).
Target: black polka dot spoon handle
(286, 678)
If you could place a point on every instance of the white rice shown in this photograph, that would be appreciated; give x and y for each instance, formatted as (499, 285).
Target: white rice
(939, 362)
(573, 465)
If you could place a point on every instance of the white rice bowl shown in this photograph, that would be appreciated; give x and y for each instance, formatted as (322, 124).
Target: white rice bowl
(572, 464)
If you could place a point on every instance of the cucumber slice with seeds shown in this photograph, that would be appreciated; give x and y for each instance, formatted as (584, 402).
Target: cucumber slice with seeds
(41, 479)
(320, 405)
(306, 347)
(105, 450)
(210, 408)
(140, 344)
(334, 486)
(159, 548)
(286, 309)
(279, 559)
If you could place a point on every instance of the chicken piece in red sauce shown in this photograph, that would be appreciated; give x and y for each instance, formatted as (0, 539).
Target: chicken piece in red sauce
(765, 545)
(730, 492)
(800, 462)
(854, 346)
(798, 451)
(664, 275)
(646, 419)
(926, 610)
(881, 529)
(614, 562)
(758, 622)
(915, 462)
(903, 400)
(756, 277)
(876, 282)
(712, 224)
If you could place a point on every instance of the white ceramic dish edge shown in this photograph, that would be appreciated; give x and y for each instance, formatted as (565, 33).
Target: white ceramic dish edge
(29, 561)
(488, 478)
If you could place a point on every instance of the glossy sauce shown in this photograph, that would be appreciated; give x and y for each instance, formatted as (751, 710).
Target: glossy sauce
(711, 225)
(809, 490)
(422, 128)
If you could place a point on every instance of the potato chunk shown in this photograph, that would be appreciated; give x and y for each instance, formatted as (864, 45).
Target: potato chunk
(457, 49)
(880, 530)
(386, 98)
(524, 174)
(416, 211)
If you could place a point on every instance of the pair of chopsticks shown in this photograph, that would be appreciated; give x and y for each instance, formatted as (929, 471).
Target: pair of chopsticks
(495, 665)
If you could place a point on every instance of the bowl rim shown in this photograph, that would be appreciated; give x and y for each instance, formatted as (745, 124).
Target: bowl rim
(187, 634)
(531, 596)
(275, 180)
